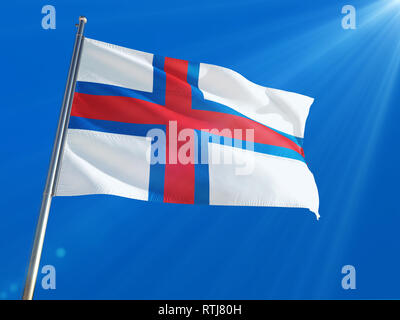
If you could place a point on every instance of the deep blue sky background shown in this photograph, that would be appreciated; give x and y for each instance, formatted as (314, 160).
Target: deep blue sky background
(105, 247)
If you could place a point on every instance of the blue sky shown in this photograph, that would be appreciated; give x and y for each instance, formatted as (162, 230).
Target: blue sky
(105, 247)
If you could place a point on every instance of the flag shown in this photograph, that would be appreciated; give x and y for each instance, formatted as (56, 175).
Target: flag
(154, 128)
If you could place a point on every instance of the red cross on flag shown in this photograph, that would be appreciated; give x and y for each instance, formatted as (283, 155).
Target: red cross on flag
(154, 128)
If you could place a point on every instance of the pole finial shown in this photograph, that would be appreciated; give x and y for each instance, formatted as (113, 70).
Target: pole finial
(83, 19)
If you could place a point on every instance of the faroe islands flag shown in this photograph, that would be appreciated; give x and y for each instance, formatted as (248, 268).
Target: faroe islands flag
(155, 128)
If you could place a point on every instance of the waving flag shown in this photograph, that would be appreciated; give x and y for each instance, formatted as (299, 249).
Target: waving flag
(154, 128)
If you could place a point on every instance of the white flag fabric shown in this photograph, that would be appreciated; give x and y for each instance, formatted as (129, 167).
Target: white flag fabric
(155, 128)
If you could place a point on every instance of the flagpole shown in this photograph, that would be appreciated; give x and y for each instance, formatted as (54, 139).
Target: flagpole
(54, 167)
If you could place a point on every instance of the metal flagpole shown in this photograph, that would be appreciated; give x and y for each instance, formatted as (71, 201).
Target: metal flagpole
(54, 167)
